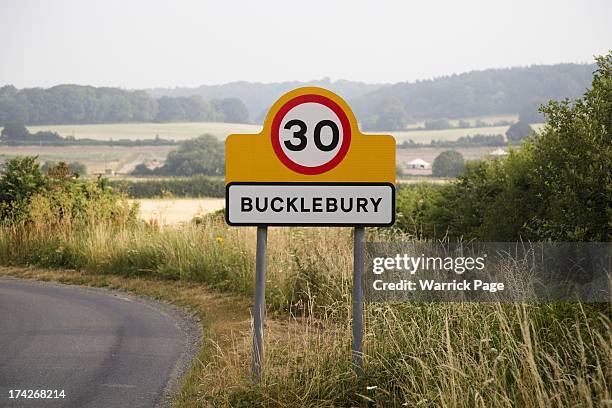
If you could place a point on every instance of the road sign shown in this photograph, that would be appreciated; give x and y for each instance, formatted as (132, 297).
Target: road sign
(310, 166)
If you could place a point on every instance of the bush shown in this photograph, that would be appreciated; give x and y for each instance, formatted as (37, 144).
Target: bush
(412, 204)
(20, 179)
(196, 186)
(571, 172)
(557, 187)
(448, 164)
(28, 195)
(77, 168)
(489, 201)
(518, 131)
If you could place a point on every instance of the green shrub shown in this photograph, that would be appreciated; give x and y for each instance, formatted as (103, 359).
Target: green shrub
(557, 187)
(58, 197)
(448, 164)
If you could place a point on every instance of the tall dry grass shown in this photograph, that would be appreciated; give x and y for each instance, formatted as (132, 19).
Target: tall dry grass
(416, 354)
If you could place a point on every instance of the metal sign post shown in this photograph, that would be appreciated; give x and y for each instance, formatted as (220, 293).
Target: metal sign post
(309, 166)
(259, 309)
(357, 352)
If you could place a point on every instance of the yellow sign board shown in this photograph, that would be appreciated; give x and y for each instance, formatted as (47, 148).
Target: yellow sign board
(310, 165)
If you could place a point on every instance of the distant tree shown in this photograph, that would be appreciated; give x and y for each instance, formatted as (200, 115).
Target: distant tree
(8, 90)
(463, 124)
(144, 107)
(78, 168)
(389, 115)
(73, 168)
(199, 110)
(141, 170)
(448, 164)
(233, 109)
(518, 131)
(479, 93)
(437, 124)
(170, 110)
(45, 136)
(186, 109)
(530, 113)
(202, 155)
(13, 107)
(14, 132)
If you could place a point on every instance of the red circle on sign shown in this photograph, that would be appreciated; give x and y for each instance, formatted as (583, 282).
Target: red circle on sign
(346, 134)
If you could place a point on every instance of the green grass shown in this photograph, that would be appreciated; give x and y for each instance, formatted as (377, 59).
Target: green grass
(417, 354)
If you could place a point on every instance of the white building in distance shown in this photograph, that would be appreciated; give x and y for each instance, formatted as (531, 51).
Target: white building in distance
(418, 164)
(499, 152)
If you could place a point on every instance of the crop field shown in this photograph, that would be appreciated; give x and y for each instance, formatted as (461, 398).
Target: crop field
(120, 159)
(488, 120)
(182, 131)
(174, 211)
(137, 131)
(426, 136)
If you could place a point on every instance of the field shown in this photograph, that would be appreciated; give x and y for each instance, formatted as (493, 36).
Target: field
(123, 159)
(96, 158)
(426, 136)
(136, 131)
(182, 131)
(488, 120)
(174, 211)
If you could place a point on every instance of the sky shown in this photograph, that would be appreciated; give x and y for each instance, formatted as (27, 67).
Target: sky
(150, 43)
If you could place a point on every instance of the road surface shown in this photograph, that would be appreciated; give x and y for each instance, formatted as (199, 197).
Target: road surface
(103, 349)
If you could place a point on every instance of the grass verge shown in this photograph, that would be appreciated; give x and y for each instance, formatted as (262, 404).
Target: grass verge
(416, 354)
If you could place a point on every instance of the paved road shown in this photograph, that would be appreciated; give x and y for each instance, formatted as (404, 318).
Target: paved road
(102, 348)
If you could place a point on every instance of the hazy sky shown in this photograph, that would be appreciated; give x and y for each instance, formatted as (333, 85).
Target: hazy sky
(149, 43)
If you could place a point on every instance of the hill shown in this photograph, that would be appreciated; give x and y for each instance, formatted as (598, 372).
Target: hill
(258, 97)
(478, 93)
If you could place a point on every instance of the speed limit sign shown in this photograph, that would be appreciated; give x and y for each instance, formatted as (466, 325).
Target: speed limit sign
(310, 166)
(311, 134)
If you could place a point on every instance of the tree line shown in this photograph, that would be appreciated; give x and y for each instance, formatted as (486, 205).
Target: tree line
(478, 93)
(74, 104)
(196, 186)
(518, 90)
(14, 134)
